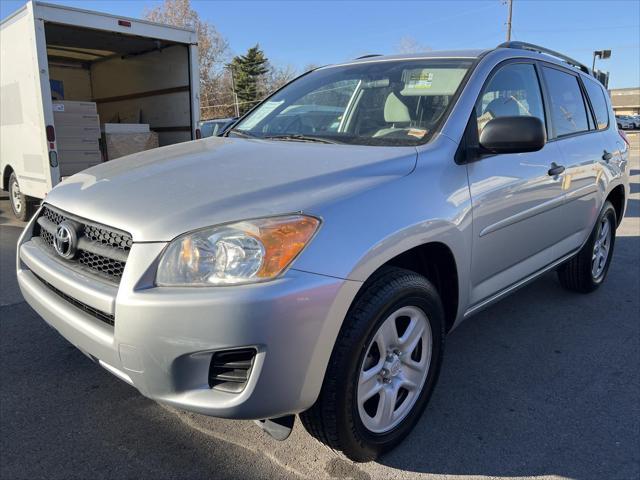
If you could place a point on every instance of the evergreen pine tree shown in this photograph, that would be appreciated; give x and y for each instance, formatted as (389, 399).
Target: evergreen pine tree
(249, 71)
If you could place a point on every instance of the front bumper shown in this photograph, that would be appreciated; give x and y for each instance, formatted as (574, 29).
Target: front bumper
(164, 338)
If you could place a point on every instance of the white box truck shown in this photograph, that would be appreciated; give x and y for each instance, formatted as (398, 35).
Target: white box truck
(134, 70)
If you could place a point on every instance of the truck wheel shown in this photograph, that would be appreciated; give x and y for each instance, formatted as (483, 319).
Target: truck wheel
(383, 368)
(586, 271)
(21, 205)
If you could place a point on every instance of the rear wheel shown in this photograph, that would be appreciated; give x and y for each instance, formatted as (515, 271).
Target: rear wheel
(383, 369)
(21, 205)
(587, 270)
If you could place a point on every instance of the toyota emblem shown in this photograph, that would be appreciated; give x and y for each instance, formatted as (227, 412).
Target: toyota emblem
(65, 241)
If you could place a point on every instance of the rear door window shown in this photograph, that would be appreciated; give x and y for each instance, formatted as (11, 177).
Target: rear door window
(598, 102)
(568, 110)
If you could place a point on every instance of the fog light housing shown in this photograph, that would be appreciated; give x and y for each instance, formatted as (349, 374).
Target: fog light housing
(229, 370)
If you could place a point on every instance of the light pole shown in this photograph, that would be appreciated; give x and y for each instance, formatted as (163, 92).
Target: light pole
(510, 3)
(233, 89)
(601, 54)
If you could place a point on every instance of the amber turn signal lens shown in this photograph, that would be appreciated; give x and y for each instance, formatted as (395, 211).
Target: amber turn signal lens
(235, 253)
(283, 239)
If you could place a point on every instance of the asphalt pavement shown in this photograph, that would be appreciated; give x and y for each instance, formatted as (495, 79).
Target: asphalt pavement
(545, 384)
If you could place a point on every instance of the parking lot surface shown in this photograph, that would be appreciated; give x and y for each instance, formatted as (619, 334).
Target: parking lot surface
(545, 384)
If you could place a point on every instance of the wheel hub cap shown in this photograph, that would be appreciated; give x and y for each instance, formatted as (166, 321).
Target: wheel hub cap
(392, 365)
(15, 194)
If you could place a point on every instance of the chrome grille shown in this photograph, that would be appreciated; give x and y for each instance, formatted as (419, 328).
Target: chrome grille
(53, 216)
(47, 237)
(108, 238)
(113, 268)
(102, 250)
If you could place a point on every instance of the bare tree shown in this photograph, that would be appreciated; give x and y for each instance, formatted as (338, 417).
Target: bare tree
(410, 45)
(213, 48)
(277, 76)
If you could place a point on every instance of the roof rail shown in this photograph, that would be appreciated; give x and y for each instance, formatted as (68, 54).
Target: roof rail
(368, 56)
(537, 48)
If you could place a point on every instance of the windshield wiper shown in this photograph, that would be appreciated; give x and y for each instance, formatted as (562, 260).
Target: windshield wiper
(299, 138)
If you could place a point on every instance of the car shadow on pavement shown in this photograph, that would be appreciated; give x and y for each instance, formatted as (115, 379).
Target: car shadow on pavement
(545, 382)
(64, 417)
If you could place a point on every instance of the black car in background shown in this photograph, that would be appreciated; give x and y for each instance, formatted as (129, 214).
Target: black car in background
(216, 127)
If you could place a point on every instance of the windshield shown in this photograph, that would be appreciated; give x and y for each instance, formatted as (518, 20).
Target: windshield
(398, 102)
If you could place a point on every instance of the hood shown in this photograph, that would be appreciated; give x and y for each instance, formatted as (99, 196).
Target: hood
(159, 194)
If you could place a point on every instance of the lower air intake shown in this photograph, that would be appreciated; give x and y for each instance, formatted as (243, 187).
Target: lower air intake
(230, 369)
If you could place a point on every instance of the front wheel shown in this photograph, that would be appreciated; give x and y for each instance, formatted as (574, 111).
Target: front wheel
(383, 368)
(586, 271)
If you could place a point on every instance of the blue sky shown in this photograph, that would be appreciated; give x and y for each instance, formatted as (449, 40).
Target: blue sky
(304, 32)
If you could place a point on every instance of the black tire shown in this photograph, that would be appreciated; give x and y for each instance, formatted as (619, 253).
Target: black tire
(334, 419)
(21, 204)
(576, 274)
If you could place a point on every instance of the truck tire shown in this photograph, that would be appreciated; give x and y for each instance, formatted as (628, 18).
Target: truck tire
(21, 205)
(391, 343)
(586, 271)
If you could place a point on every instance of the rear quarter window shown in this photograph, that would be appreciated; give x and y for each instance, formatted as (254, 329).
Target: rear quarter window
(598, 102)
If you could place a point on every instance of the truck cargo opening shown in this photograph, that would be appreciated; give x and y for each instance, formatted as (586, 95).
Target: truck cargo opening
(131, 79)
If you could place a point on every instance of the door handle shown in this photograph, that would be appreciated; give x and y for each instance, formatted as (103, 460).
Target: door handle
(606, 156)
(555, 169)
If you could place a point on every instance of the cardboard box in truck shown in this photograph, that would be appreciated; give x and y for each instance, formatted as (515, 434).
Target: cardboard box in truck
(121, 139)
(78, 143)
(78, 159)
(77, 131)
(76, 153)
(76, 119)
(100, 67)
(62, 106)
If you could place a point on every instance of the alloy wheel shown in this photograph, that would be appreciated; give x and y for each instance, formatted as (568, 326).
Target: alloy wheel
(394, 369)
(601, 249)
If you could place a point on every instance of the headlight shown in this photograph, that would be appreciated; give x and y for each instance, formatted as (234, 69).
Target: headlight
(243, 252)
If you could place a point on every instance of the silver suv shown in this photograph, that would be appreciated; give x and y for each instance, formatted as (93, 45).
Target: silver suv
(312, 260)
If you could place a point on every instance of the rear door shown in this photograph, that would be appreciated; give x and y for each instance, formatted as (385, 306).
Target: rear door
(517, 219)
(582, 145)
(604, 121)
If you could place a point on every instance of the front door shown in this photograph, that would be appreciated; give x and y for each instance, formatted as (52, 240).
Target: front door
(517, 214)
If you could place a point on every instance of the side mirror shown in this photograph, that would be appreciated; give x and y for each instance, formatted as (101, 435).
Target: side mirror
(513, 135)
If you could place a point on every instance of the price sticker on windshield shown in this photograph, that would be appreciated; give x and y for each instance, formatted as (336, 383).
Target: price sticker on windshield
(417, 132)
(419, 79)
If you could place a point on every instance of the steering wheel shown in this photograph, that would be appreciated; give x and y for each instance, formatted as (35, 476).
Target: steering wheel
(298, 125)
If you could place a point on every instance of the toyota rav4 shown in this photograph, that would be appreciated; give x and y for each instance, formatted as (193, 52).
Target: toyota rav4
(312, 260)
